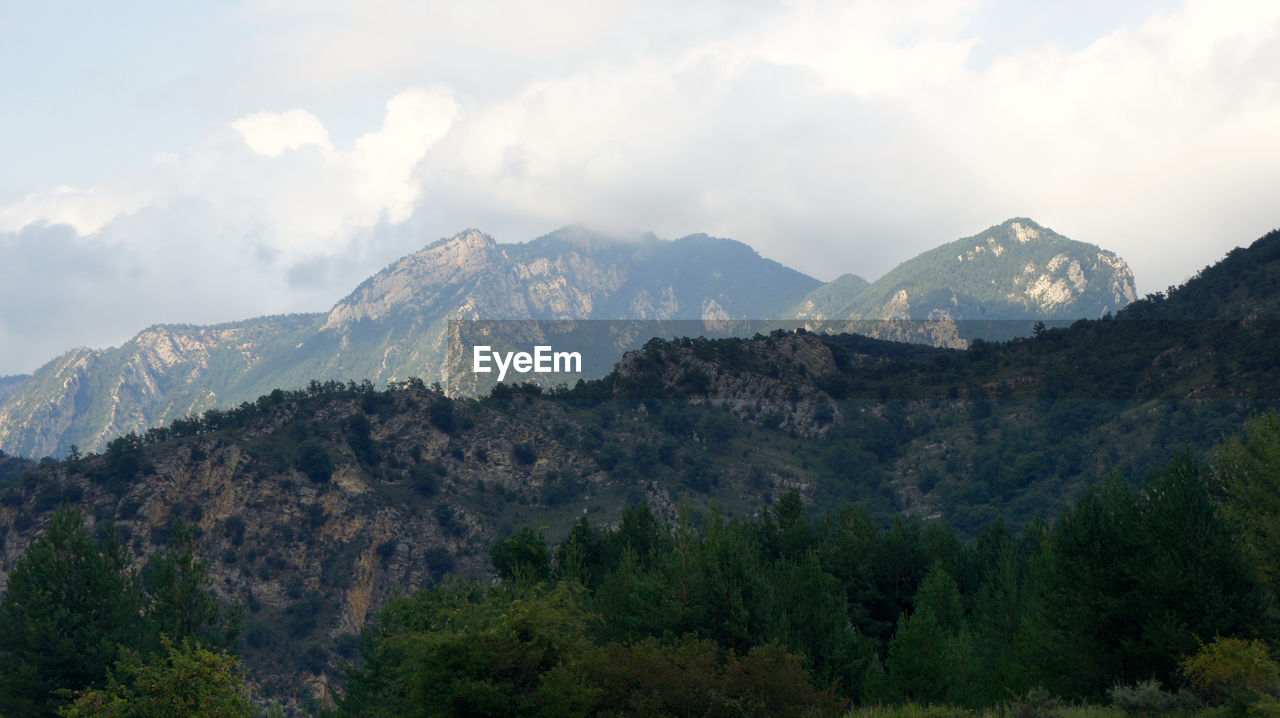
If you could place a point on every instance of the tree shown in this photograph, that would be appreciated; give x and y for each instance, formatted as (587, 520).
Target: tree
(1128, 583)
(690, 677)
(931, 655)
(1248, 468)
(1238, 672)
(182, 607)
(522, 557)
(71, 603)
(183, 680)
(579, 557)
(462, 650)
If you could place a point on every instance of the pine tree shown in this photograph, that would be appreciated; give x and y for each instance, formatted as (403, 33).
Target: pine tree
(71, 603)
(182, 607)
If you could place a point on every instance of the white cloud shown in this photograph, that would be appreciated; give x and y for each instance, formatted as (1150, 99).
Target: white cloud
(271, 134)
(85, 209)
(833, 136)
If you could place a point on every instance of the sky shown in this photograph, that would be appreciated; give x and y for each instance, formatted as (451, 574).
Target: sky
(203, 162)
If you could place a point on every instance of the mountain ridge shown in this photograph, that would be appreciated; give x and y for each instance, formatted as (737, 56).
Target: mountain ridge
(393, 326)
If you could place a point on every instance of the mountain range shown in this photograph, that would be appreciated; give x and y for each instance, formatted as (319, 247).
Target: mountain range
(315, 505)
(395, 324)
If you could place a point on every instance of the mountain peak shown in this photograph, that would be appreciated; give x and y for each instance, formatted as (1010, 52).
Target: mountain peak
(1021, 230)
(580, 236)
(471, 237)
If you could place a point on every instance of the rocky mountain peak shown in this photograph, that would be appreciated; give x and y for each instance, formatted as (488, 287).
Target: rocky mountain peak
(426, 272)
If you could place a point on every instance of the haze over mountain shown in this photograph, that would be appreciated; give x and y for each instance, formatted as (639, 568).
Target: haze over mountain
(394, 325)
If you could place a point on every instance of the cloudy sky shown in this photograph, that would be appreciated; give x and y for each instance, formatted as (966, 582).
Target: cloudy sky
(210, 161)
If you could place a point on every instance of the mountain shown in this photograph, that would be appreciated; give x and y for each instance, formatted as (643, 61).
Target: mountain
(9, 383)
(88, 396)
(316, 505)
(1014, 270)
(992, 285)
(395, 325)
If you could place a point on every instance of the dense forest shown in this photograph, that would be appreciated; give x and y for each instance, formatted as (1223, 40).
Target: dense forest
(1152, 600)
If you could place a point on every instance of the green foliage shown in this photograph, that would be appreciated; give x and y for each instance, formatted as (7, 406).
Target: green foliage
(1128, 582)
(314, 461)
(123, 462)
(72, 601)
(74, 608)
(441, 415)
(357, 429)
(1145, 698)
(930, 657)
(522, 558)
(185, 679)
(461, 650)
(579, 558)
(1239, 672)
(182, 605)
(687, 678)
(524, 454)
(1248, 467)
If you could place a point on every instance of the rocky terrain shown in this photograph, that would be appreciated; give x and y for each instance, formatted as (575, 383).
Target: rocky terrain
(395, 325)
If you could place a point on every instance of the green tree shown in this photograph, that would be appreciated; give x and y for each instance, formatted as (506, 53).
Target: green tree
(523, 557)
(464, 651)
(690, 677)
(184, 680)
(1128, 583)
(1240, 673)
(1248, 468)
(71, 603)
(182, 606)
(931, 657)
(579, 556)
(809, 615)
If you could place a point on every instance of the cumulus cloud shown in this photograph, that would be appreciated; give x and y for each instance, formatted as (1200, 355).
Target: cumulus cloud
(271, 133)
(832, 136)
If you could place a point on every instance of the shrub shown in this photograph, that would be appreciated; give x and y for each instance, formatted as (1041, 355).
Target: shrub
(1035, 703)
(1143, 699)
(314, 461)
(1238, 672)
(524, 454)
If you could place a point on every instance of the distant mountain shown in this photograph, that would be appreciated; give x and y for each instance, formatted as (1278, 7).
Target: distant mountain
(392, 327)
(395, 325)
(9, 383)
(88, 396)
(1017, 270)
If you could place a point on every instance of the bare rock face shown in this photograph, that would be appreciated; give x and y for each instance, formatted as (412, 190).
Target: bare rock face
(33, 418)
